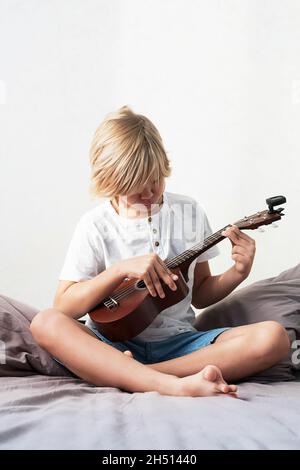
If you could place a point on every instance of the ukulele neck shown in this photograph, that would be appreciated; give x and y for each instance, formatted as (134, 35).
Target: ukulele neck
(187, 256)
(251, 222)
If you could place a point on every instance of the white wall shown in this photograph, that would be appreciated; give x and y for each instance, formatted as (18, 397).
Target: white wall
(220, 80)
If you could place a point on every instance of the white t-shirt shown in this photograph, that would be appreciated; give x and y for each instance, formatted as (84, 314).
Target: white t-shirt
(102, 237)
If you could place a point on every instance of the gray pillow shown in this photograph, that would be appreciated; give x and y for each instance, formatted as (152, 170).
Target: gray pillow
(20, 355)
(276, 298)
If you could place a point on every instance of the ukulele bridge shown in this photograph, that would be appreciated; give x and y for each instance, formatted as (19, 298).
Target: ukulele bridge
(111, 303)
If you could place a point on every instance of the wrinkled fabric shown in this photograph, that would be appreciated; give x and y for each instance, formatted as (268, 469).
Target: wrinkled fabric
(40, 412)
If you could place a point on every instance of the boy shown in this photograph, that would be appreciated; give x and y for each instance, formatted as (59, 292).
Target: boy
(138, 226)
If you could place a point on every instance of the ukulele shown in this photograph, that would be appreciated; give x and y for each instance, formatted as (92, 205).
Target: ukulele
(130, 308)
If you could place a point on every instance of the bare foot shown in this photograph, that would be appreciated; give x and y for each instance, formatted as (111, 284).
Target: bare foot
(209, 381)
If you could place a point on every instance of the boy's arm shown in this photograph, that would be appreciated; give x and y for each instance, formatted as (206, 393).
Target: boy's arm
(75, 299)
(208, 289)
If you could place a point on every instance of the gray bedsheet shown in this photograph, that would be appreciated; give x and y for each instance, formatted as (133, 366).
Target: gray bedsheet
(40, 412)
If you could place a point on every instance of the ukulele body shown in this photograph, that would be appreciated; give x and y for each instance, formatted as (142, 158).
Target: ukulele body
(133, 313)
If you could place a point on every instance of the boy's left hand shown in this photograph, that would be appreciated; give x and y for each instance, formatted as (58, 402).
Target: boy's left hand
(243, 250)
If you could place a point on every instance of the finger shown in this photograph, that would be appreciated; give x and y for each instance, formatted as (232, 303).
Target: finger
(241, 267)
(163, 274)
(242, 263)
(173, 275)
(236, 239)
(232, 229)
(157, 283)
(149, 284)
(241, 250)
(246, 247)
(240, 258)
(241, 234)
(233, 237)
(247, 253)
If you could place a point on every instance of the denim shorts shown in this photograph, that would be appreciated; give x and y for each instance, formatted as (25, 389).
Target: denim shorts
(157, 351)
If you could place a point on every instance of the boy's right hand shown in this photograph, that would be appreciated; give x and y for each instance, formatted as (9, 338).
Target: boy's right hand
(150, 268)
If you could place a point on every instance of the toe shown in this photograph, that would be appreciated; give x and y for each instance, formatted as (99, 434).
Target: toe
(212, 374)
(128, 353)
(224, 388)
(232, 395)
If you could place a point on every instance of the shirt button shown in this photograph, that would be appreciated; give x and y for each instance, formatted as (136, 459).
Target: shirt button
(154, 230)
(156, 243)
(149, 218)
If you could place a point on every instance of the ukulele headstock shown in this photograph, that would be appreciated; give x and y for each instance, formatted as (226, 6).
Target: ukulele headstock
(265, 217)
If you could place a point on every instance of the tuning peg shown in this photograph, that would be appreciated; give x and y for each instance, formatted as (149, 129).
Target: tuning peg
(261, 230)
(273, 225)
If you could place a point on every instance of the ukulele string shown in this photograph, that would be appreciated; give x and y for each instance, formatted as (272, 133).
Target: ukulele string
(171, 263)
(177, 259)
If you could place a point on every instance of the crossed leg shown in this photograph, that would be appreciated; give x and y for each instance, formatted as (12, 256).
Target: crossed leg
(239, 352)
(103, 365)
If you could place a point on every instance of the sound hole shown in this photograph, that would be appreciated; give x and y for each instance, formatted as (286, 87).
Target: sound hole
(140, 285)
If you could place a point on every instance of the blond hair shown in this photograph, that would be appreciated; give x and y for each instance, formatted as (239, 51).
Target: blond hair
(126, 152)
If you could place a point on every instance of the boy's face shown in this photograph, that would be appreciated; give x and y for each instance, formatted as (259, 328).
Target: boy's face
(146, 197)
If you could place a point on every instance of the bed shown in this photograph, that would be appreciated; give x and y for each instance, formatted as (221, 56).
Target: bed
(43, 406)
(44, 412)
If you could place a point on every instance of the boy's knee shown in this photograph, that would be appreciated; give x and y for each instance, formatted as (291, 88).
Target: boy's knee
(271, 341)
(44, 325)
